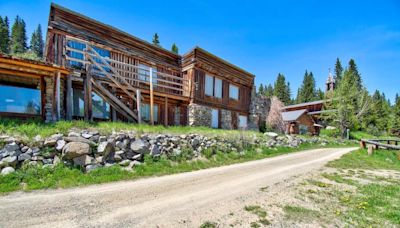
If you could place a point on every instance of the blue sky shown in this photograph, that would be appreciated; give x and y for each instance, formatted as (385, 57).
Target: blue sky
(263, 37)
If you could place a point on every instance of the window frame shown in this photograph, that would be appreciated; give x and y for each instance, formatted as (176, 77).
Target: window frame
(214, 87)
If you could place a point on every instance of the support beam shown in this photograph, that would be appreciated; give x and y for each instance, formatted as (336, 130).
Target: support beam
(43, 97)
(54, 99)
(151, 98)
(87, 90)
(166, 112)
(113, 111)
(69, 98)
(139, 105)
(58, 95)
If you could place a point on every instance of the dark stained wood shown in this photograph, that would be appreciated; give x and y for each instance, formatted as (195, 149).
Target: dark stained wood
(69, 98)
(87, 94)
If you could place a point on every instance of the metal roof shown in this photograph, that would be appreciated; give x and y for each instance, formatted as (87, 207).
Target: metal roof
(293, 115)
(304, 104)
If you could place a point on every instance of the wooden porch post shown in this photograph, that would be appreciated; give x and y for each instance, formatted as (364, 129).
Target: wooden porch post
(151, 97)
(54, 99)
(58, 95)
(87, 90)
(113, 111)
(138, 106)
(166, 111)
(69, 98)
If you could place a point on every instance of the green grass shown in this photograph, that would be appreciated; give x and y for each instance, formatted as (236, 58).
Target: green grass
(299, 213)
(261, 214)
(33, 178)
(32, 128)
(208, 224)
(380, 159)
(374, 203)
(358, 135)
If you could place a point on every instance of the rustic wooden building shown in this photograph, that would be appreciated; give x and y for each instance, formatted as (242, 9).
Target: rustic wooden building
(303, 118)
(116, 76)
(31, 89)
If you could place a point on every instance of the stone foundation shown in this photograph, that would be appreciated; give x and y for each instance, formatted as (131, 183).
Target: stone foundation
(226, 119)
(199, 115)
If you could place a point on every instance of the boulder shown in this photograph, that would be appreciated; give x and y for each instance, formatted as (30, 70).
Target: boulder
(7, 170)
(137, 157)
(272, 135)
(73, 134)
(50, 142)
(10, 161)
(86, 135)
(154, 151)
(125, 162)
(24, 149)
(57, 136)
(56, 160)
(83, 160)
(139, 146)
(75, 149)
(23, 157)
(133, 164)
(102, 138)
(90, 168)
(60, 144)
(105, 148)
(79, 139)
(11, 147)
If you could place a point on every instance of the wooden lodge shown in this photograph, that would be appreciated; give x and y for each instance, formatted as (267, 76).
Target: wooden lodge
(93, 71)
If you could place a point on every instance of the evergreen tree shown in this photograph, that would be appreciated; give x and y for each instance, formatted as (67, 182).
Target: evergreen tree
(281, 90)
(174, 49)
(396, 115)
(338, 71)
(37, 43)
(261, 89)
(320, 94)
(4, 35)
(156, 40)
(18, 36)
(350, 103)
(269, 91)
(307, 90)
(288, 95)
(356, 77)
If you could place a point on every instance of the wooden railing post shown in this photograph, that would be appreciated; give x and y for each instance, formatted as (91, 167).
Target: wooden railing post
(151, 97)
(87, 90)
(138, 106)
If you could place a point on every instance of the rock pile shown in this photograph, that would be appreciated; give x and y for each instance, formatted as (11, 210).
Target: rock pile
(91, 150)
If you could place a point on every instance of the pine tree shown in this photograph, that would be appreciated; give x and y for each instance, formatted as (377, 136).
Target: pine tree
(281, 90)
(269, 91)
(156, 40)
(174, 49)
(396, 115)
(307, 91)
(18, 36)
(37, 42)
(320, 94)
(261, 89)
(338, 71)
(355, 74)
(4, 35)
(288, 94)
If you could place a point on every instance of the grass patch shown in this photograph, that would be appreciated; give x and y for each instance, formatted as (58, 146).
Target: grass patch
(208, 224)
(358, 135)
(299, 213)
(261, 214)
(339, 178)
(381, 159)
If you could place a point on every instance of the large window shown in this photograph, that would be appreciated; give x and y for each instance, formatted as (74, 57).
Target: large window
(233, 92)
(145, 112)
(213, 86)
(78, 55)
(20, 100)
(144, 73)
(100, 108)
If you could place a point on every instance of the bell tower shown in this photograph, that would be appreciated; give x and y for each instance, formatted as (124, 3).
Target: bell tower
(330, 82)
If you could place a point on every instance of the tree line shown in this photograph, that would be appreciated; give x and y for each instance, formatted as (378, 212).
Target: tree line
(14, 40)
(348, 106)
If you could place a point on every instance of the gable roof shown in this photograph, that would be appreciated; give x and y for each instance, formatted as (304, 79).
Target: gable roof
(304, 104)
(293, 115)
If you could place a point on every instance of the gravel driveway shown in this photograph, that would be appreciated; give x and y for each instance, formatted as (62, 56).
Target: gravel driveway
(181, 200)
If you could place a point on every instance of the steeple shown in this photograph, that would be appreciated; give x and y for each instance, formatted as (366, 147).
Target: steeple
(330, 83)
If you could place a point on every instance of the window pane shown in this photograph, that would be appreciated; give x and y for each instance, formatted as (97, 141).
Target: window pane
(77, 55)
(78, 102)
(144, 73)
(20, 100)
(218, 88)
(214, 118)
(242, 121)
(100, 108)
(209, 85)
(234, 92)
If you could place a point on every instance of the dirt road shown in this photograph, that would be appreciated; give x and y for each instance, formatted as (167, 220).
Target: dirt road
(182, 200)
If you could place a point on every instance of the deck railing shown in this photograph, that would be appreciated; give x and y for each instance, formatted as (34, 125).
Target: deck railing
(136, 75)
